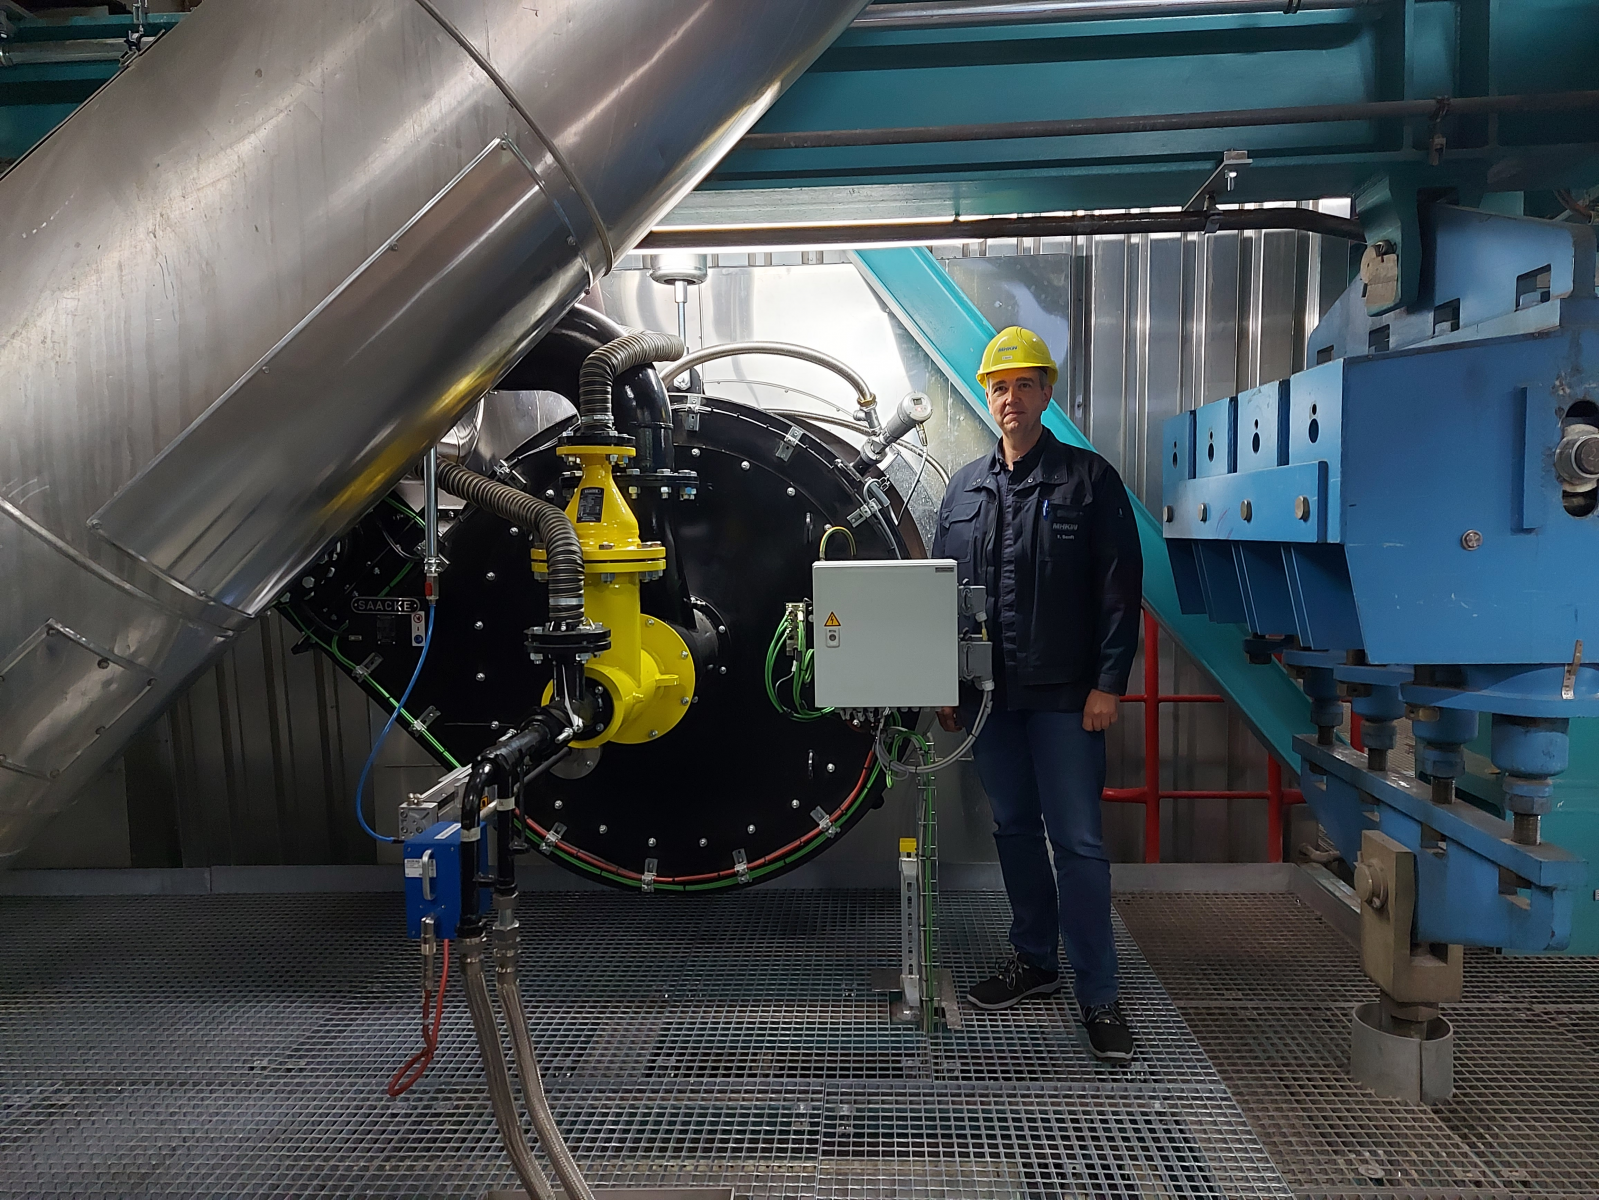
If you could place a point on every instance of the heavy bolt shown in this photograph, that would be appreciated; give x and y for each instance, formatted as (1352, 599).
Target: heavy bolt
(1577, 458)
(1371, 885)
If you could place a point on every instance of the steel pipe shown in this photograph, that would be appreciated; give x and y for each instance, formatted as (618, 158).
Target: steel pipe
(1238, 118)
(721, 237)
(937, 14)
(252, 279)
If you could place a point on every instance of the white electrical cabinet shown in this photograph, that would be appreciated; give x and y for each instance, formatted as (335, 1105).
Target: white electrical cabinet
(886, 633)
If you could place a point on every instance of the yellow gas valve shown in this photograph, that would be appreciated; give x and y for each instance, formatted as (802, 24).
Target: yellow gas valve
(648, 672)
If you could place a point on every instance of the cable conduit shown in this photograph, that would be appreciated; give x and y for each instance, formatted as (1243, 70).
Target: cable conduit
(602, 367)
(564, 552)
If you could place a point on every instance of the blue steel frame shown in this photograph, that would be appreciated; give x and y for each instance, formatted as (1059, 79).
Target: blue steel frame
(1401, 507)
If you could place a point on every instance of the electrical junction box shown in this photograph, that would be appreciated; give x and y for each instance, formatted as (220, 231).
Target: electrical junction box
(433, 879)
(886, 633)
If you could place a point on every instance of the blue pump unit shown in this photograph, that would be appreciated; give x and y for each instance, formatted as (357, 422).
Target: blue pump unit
(1412, 523)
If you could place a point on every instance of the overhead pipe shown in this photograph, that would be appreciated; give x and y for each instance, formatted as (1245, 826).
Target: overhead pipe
(721, 237)
(1238, 118)
(938, 14)
(213, 369)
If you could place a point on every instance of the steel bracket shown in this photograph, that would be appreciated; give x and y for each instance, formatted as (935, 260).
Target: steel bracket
(1474, 885)
(1409, 973)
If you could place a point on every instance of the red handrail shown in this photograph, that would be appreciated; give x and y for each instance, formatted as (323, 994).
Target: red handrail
(1150, 794)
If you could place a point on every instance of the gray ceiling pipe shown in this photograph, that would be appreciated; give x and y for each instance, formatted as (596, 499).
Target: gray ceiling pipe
(247, 283)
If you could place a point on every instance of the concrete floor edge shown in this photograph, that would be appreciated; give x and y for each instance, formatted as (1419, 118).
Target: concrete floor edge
(289, 879)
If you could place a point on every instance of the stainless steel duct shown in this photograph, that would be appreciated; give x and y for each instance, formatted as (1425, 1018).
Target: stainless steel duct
(248, 282)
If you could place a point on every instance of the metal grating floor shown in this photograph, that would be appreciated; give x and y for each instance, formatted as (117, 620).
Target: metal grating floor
(239, 1046)
(1267, 987)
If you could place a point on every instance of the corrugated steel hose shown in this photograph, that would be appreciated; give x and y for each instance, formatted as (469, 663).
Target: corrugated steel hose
(602, 367)
(561, 546)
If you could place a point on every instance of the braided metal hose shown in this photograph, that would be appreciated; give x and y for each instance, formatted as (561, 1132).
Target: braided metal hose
(493, 1053)
(527, 1068)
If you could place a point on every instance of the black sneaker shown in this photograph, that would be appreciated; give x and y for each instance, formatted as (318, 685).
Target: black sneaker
(1015, 982)
(1109, 1039)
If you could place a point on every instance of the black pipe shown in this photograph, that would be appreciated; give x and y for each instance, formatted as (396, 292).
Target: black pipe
(503, 763)
(1238, 118)
(562, 550)
(471, 919)
(504, 860)
(979, 229)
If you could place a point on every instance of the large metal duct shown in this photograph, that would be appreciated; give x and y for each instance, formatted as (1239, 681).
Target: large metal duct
(247, 283)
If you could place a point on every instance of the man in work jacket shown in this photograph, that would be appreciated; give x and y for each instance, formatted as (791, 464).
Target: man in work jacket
(1049, 529)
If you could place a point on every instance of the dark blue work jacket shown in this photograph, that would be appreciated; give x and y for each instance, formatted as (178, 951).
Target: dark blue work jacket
(1078, 572)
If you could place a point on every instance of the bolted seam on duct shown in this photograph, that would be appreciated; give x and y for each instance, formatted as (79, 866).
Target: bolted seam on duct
(515, 102)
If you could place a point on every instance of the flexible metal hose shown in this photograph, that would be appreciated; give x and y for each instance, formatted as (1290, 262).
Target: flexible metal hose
(561, 547)
(527, 1067)
(602, 367)
(863, 393)
(488, 1040)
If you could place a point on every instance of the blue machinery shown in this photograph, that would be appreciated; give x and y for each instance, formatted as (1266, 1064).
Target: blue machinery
(1411, 524)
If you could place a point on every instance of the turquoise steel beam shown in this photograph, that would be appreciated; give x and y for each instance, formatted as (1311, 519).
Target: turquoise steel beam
(1404, 50)
(953, 332)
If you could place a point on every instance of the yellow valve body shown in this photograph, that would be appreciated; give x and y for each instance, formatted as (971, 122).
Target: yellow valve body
(648, 671)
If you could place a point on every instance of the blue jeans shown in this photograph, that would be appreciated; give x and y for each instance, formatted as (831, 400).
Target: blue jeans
(1044, 772)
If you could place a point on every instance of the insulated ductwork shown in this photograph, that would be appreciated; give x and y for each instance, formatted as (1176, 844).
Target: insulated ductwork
(244, 286)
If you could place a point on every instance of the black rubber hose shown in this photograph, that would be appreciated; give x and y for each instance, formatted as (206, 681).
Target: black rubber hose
(561, 547)
(471, 920)
(602, 367)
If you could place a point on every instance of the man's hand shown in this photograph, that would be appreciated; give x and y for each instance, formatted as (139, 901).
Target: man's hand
(1099, 711)
(947, 720)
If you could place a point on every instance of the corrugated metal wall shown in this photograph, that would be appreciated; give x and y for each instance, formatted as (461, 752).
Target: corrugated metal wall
(1147, 326)
(258, 761)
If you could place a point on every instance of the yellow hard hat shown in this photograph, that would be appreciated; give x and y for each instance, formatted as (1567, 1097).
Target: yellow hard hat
(1016, 347)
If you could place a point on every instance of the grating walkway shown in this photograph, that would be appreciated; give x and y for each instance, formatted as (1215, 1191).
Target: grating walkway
(239, 1046)
(1267, 987)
